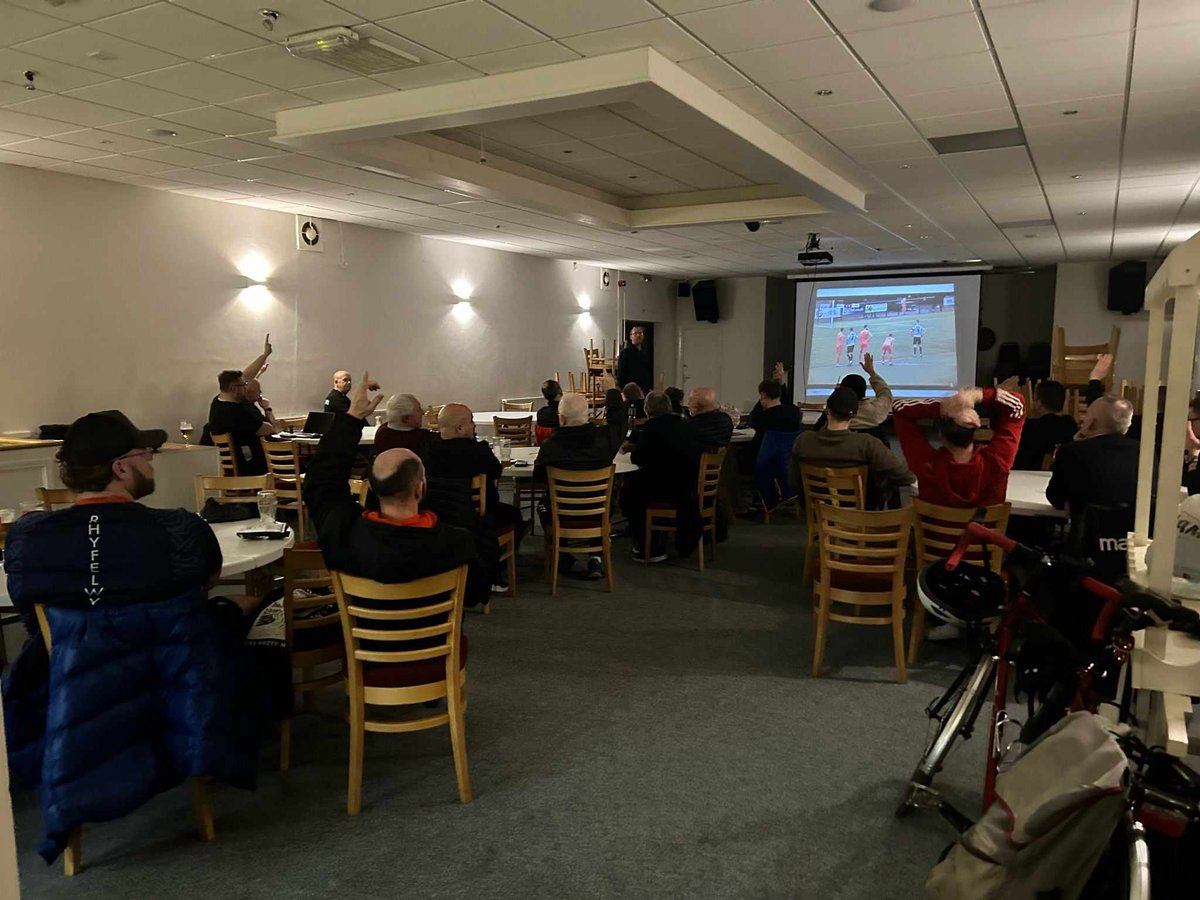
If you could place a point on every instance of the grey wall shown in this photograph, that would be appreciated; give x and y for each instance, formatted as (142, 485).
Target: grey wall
(1018, 307)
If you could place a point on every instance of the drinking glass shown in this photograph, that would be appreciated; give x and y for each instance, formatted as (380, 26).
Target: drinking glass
(268, 501)
(379, 421)
(7, 516)
(505, 450)
(186, 429)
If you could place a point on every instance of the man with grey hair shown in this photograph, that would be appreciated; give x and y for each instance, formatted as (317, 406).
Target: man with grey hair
(404, 426)
(708, 423)
(667, 455)
(1100, 467)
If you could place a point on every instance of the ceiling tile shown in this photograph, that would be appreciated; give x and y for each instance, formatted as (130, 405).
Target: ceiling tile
(1166, 12)
(801, 59)
(586, 124)
(104, 142)
(753, 100)
(27, 159)
(848, 87)
(141, 128)
(966, 123)
(132, 164)
(756, 23)
(179, 156)
(201, 82)
(567, 17)
(867, 135)
(917, 41)
(232, 148)
(32, 126)
(177, 31)
(527, 57)
(424, 76)
(662, 35)
(276, 67)
(52, 76)
(116, 57)
(350, 89)
(955, 101)
(23, 24)
(1030, 86)
(899, 150)
(295, 16)
(266, 105)
(219, 120)
(375, 10)
(1165, 57)
(848, 17)
(81, 12)
(69, 109)
(137, 98)
(51, 149)
(1025, 24)
(461, 29)
(942, 73)
(1040, 114)
(852, 115)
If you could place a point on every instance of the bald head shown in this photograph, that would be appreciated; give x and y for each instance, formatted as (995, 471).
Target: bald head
(454, 421)
(253, 390)
(397, 475)
(573, 409)
(1107, 415)
(341, 381)
(702, 400)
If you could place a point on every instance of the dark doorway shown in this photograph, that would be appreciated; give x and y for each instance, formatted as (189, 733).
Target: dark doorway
(647, 345)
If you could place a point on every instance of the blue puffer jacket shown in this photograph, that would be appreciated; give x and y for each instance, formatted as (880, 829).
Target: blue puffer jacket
(140, 697)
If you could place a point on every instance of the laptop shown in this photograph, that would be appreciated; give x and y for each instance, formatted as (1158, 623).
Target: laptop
(318, 422)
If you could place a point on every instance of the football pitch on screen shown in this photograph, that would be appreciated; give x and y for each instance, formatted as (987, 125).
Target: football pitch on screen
(936, 367)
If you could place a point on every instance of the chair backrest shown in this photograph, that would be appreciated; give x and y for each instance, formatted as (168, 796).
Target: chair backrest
(52, 497)
(305, 569)
(863, 542)
(580, 498)
(938, 528)
(380, 620)
(844, 488)
(709, 478)
(1072, 363)
(519, 431)
(479, 493)
(296, 422)
(515, 406)
(283, 465)
(360, 487)
(228, 489)
(1134, 393)
(226, 453)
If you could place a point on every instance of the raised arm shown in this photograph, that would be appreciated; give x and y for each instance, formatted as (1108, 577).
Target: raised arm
(327, 478)
(259, 362)
(906, 419)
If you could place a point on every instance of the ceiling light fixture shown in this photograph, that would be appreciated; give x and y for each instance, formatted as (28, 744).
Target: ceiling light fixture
(823, 92)
(102, 55)
(162, 132)
(905, 166)
(347, 49)
(1070, 112)
(378, 171)
(1081, 213)
(269, 18)
(1076, 177)
(887, 6)
(1030, 235)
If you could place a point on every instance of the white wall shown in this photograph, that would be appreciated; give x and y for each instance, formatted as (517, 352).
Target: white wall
(118, 296)
(742, 303)
(1080, 306)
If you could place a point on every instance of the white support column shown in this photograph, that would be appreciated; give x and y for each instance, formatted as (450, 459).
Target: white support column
(1146, 453)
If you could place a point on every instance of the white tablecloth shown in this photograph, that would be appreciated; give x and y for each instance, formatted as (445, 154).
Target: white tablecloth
(529, 454)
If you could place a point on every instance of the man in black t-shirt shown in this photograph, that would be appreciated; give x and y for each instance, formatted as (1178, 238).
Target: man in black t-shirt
(338, 400)
(230, 414)
(634, 364)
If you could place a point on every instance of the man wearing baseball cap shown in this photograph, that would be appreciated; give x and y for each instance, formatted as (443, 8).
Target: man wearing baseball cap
(836, 445)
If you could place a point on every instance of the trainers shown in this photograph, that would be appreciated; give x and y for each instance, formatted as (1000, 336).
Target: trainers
(499, 588)
(638, 556)
(595, 568)
(947, 631)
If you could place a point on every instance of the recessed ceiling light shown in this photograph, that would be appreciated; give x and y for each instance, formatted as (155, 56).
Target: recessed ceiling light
(1070, 112)
(905, 166)
(823, 92)
(103, 143)
(1030, 235)
(1081, 213)
(908, 225)
(890, 5)
(568, 151)
(633, 178)
(162, 132)
(102, 55)
(922, 237)
(1076, 177)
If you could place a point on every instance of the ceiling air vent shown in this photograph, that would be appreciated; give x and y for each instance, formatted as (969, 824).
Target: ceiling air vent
(346, 49)
(978, 140)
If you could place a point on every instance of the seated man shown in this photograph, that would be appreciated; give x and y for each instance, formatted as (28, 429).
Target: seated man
(547, 416)
(260, 404)
(675, 395)
(176, 695)
(668, 460)
(709, 424)
(874, 411)
(1100, 465)
(635, 400)
(229, 413)
(959, 473)
(405, 426)
(837, 445)
(1048, 429)
(338, 399)
(455, 453)
(399, 543)
(579, 445)
(771, 413)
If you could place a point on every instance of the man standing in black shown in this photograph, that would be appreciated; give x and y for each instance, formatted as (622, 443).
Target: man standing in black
(338, 400)
(634, 363)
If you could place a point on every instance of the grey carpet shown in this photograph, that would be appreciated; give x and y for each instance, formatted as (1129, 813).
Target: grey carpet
(664, 741)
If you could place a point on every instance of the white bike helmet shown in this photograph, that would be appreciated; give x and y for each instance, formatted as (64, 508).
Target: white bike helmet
(969, 594)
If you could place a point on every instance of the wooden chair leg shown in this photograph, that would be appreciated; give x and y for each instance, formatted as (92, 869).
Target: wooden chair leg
(700, 551)
(512, 573)
(202, 805)
(285, 744)
(458, 745)
(608, 569)
(646, 537)
(898, 640)
(819, 639)
(713, 539)
(918, 633)
(552, 565)
(357, 737)
(73, 855)
(809, 554)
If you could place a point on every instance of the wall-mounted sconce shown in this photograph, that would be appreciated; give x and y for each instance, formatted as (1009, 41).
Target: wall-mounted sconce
(462, 289)
(462, 310)
(584, 301)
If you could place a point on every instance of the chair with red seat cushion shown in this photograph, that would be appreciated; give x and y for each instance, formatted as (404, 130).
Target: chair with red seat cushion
(580, 517)
(862, 563)
(404, 646)
(661, 516)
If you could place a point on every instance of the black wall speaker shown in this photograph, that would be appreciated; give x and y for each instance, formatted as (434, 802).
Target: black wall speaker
(684, 289)
(704, 299)
(1126, 287)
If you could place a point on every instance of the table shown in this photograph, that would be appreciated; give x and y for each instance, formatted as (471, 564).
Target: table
(742, 436)
(1027, 494)
(367, 439)
(529, 454)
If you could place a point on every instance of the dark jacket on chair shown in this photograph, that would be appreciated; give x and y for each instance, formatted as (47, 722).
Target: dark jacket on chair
(368, 545)
(711, 429)
(1041, 436)
(668, 459)
(464, 458)
(1098, 470)
(587, 446)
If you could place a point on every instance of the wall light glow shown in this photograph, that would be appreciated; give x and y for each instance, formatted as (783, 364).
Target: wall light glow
(584, 301)
(257, 298)
(254, 268)
(462, 311)
(462, 289)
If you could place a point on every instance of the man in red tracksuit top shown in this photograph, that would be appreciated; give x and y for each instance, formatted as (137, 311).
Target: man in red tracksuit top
(959, 473)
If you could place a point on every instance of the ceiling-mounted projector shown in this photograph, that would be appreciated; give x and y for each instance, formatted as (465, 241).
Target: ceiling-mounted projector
(347, 49)
(812, 254)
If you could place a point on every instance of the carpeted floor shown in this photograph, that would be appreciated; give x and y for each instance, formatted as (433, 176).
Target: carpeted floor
(664, 741)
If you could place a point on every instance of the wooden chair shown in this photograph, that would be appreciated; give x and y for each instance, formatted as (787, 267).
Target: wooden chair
(1134, 393)
(936, 530)
(844, 488)
(378, 621)
(284, 478)
(360, 487)
(201, 804)
(52, 497)
(1071, 364)
(294, 422)
(237, 489)
(519, 431)
(580, 511)
(505, 536)
(314, 631)
(662, 518)
(226, 454)
(862, 560)
(515, 406)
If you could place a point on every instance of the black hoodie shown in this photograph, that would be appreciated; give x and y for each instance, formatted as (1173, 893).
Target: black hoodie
(587, 446)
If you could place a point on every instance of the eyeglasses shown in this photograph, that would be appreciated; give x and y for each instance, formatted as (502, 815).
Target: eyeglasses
(145, 451)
